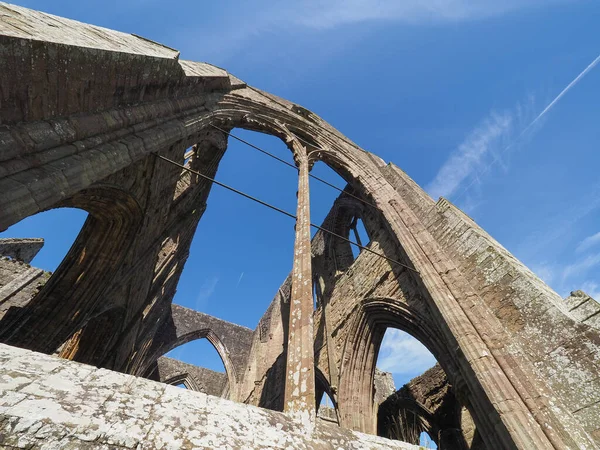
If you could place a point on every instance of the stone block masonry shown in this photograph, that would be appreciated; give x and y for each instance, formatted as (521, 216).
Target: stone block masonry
(52, 403)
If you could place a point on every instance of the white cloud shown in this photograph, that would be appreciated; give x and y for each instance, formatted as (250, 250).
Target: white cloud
(545, 271)
(240, 279)
(588, 242)
(494, 138)
(470, 157)
(400, 353)
(581, 267)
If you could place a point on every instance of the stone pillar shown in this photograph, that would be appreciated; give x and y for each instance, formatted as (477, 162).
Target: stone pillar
(299, 399)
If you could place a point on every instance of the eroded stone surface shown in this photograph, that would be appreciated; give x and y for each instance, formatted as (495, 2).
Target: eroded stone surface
(52, 403)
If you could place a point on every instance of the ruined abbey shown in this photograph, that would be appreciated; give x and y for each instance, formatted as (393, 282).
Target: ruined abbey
(121, 127)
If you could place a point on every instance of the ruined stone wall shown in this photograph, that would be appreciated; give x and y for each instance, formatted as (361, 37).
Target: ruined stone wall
(81, 137)
(19, 282)
(263, 380)
(553, 333)
(584, 309)
(384, 386)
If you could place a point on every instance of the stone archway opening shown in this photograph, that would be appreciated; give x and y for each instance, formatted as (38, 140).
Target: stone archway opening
(423, 409)
(32, 249)
(195, 365)
(74, 293)
(57, 227)
(240, 249)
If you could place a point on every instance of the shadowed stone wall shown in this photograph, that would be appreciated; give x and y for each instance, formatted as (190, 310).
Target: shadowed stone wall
(19, 283)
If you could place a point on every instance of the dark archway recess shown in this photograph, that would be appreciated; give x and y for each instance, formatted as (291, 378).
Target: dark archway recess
(90, 140)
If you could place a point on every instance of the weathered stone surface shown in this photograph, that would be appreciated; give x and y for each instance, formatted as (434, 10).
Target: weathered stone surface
(19, 283)
(384, 386)
(52, 403)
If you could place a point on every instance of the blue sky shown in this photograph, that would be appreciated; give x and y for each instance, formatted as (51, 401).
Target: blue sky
(455, 93)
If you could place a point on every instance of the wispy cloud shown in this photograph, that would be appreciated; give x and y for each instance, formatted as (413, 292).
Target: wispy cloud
(545, 271)
(472, 158)
(235, 31)
(588, 243)
(402, 354)
(581, 267)
(206, 290)
(471, 154)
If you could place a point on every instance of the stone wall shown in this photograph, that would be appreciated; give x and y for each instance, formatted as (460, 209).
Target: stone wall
(557, 336)
(47, 402)
(19, 282)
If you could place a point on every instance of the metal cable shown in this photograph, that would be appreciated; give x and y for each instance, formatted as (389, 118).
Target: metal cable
(275, 208)
(293, 166)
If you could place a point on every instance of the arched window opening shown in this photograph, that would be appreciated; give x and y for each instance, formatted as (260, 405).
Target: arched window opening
(32, 261)
(180, 385)
(403, 356)
(189, 155)
(57, 227)
(199, 353)
(408, 412)
(242, 251)
(76, 290)
(359, 234)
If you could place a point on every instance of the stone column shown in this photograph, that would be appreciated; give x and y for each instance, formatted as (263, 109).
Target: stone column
(299, 397)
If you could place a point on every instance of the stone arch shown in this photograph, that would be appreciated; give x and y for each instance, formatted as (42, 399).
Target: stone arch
(464, 320)
(211, 337)
(182, 378)
(74, 292)
(417, 418)
(323, 386)
(359, 356)
(517, 413)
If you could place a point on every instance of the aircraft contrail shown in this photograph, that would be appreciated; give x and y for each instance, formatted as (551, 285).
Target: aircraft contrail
(563, 92)
(538, 117)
